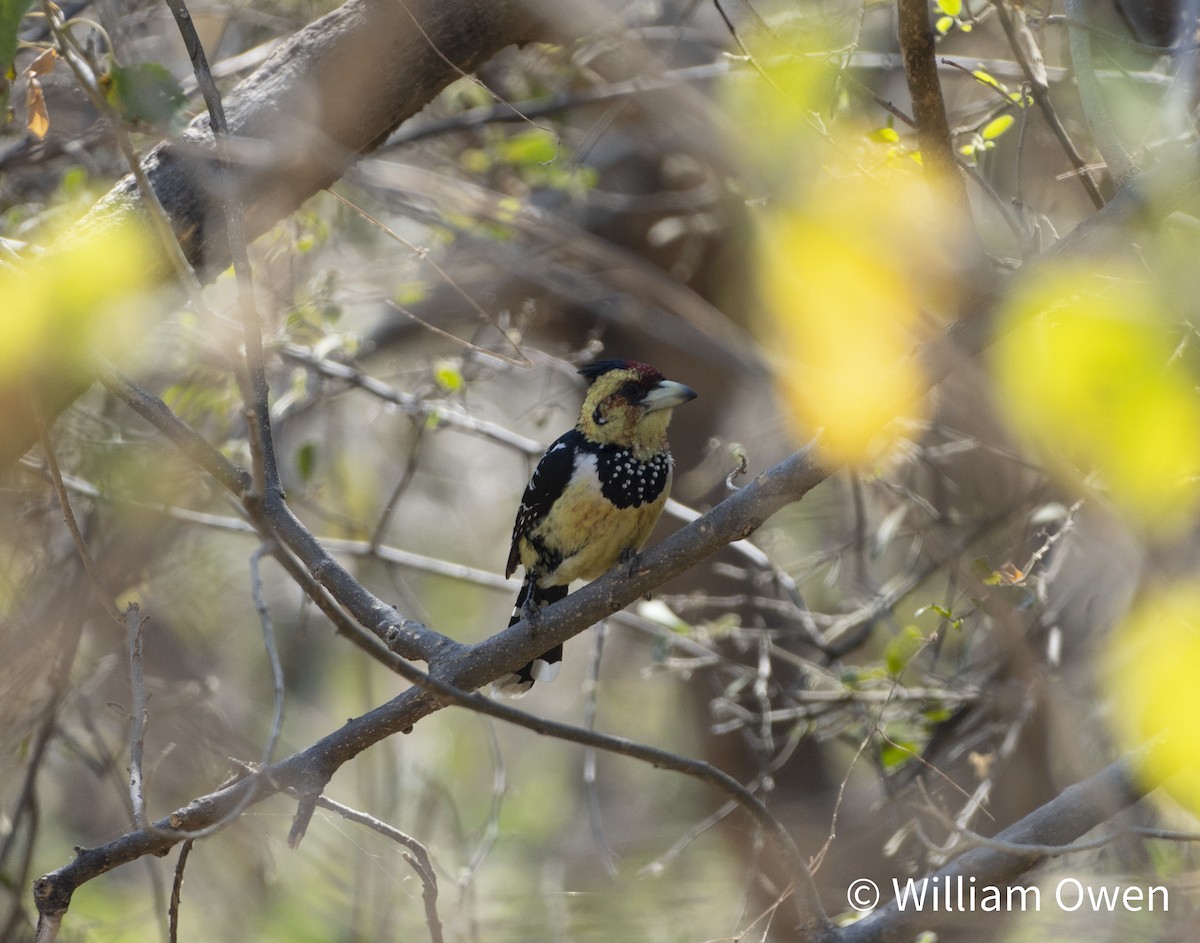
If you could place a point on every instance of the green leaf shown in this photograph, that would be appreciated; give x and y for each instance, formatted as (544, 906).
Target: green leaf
(11, 12)
(885, 136)
(987, 79)
(902, 648)
(950, 7)
(956, 622)
(408, 294)
(943, 24)
(896, 754)
(448, 376)
(306, 461)
(530, 147)
(996, 127)
(145, 91)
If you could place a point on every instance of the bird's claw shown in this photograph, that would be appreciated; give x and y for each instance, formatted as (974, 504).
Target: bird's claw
(531, 615)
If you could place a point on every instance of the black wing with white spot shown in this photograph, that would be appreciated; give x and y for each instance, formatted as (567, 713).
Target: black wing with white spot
(549, 480)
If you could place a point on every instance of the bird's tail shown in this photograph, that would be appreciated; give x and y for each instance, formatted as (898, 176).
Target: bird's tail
(545, 666)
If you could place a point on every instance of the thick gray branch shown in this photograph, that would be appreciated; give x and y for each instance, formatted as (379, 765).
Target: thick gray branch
(1075, 811)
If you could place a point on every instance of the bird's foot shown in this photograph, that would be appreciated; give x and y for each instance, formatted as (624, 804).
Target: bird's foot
(531, 615)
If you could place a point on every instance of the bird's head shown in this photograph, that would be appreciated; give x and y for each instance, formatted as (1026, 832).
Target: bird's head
(629, 404)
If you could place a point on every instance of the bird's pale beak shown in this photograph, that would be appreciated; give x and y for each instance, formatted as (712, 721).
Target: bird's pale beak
(666, 395)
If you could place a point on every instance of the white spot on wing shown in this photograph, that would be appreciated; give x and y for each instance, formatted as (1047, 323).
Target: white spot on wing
(544, 670)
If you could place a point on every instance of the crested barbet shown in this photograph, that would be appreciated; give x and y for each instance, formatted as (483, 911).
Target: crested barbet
(595, 495)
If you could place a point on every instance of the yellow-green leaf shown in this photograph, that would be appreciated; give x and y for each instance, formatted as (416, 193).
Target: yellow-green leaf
(447, 375)
(986, 79)
(996, 127)
(902, 649)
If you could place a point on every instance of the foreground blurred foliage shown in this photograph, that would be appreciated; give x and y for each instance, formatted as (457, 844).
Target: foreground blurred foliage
(1088, 369)
(77, 303)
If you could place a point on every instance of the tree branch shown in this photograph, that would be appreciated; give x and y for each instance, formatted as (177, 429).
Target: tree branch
(929, 111)
(457, 672)
(1075, 811)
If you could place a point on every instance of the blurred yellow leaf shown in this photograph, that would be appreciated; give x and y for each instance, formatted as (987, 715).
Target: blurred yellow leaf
(776, 117)
(1151, 671)
(845, 276)
(842, 316)
(1085, 373)
(76, 301)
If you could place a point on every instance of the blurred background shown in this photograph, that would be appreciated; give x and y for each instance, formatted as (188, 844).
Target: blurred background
(918, 651)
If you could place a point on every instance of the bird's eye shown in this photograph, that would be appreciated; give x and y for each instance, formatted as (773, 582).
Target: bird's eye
(630, 390)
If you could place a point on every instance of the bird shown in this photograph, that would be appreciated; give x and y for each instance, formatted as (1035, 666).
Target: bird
(595, 495)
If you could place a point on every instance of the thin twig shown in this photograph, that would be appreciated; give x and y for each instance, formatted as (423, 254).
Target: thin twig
(1073, 812)
(422, 253)
(137, 721)
(255, 388)
(268, 631)
(177, 891)
(591, 689)
(491, 830)
(929, 113)
(1041, 96)
(418, 857)
(64, 501)
(76, 58)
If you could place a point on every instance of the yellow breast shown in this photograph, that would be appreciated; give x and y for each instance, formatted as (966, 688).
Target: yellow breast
(589, 532)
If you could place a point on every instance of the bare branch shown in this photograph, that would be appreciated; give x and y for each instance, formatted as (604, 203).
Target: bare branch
(64, 501)
(137, 710)
(268, 630)
(418, 858)
(458, 670)
(1075, 811)
(929, 110)
(1040, 91)
(177, 891)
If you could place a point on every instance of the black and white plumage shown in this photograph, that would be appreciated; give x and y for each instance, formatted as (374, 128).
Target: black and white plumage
(595, 495)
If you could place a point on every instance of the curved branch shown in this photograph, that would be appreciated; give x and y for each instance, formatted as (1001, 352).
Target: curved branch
(1073, 812)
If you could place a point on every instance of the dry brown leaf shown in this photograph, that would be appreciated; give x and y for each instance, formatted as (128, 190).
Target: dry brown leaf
(37, 120)
(43, 64)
